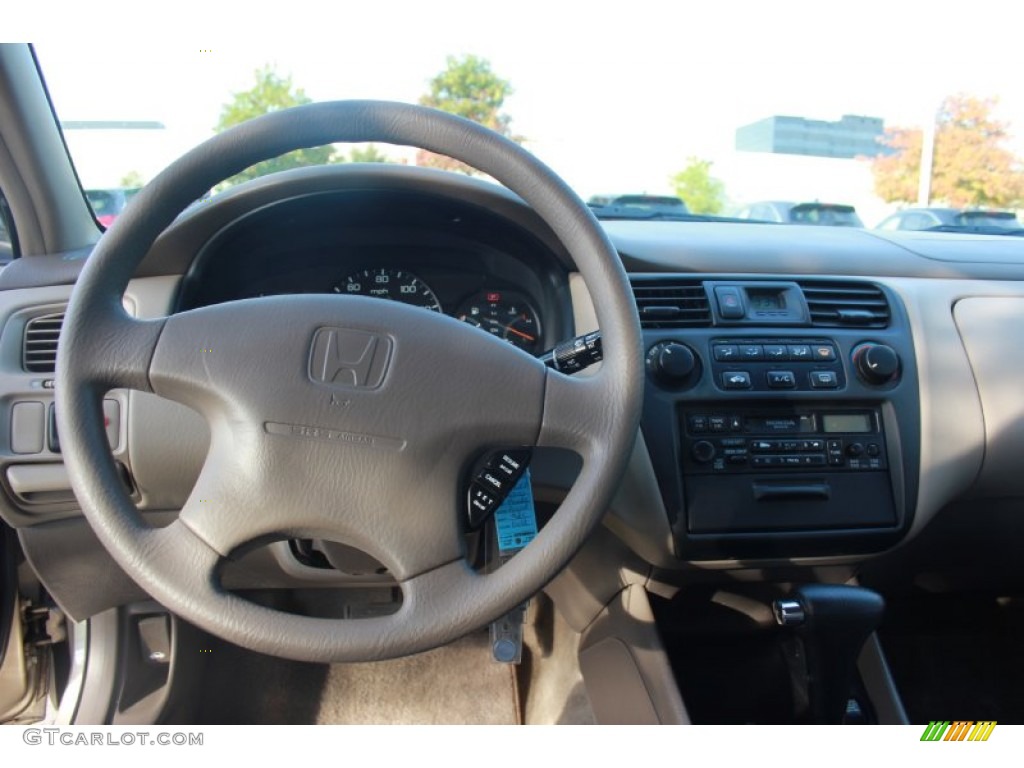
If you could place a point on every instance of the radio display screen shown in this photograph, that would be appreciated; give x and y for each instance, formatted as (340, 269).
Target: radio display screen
(853, 423)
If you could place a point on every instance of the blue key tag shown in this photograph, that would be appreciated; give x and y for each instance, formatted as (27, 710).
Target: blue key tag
(515, 520)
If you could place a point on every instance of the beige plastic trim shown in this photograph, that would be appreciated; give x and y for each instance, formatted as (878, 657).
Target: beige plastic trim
(625, 668)
(29, 479)
(15, 683)
(881, 690)
(992, 329)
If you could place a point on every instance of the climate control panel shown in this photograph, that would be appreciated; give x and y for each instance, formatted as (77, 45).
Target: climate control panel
(774, 364)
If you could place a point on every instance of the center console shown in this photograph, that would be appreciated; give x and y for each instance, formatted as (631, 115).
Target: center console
(782, 418)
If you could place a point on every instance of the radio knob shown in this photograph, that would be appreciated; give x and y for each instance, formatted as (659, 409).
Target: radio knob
(876, 363)
(671, 363)
(703, 451)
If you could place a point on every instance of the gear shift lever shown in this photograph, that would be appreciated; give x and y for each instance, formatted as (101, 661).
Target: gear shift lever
(833, 621)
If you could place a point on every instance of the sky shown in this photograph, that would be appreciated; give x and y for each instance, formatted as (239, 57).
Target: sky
(613, 96)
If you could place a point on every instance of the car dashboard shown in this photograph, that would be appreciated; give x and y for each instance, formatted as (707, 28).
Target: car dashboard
(813, 397)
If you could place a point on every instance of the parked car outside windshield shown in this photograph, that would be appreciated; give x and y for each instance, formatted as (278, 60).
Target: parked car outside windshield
(819, 214)
(107, 204)
(915, 219)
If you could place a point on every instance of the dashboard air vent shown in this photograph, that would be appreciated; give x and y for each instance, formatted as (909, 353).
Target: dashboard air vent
(667, 302)
(39, 349)
(839, 304)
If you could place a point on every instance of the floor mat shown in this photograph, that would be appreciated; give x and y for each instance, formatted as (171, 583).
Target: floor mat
(957, 658)
(239, 687)
(457, 684)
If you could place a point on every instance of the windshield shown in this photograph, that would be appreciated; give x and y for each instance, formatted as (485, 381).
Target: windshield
(707, 111)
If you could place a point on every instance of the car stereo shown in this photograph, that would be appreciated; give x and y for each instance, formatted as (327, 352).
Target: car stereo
(738, 440)
(784, 467)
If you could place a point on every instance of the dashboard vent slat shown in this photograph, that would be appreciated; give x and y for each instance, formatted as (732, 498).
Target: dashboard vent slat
(841, 304)
(39, 347)
(667, 302)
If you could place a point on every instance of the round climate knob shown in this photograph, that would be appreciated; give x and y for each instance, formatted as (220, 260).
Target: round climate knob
(671, 363)
(876, 363)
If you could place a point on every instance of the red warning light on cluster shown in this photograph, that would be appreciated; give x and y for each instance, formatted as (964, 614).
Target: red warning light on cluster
(493, 297)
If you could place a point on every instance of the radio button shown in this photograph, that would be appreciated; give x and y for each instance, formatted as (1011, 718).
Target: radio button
(762, 446)
(718, 423)
(873, 450)
(736, 380)
(824, 380)
(835, 453)
(766, 461)
(698, 424)
(854, 449)
(781, 380)
(800, 352)
(726, 352)
(736, 423)
(703, 451)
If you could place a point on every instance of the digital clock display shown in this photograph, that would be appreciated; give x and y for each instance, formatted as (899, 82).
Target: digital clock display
(766, 300)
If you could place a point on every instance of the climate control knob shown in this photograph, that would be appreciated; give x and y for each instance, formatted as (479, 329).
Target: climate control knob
(876, 363)
(672, 364)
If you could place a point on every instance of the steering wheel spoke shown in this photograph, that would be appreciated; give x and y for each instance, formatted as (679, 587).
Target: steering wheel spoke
(116, 352)
(575, 412)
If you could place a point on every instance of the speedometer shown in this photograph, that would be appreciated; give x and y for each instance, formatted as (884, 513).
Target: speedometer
(397, 285)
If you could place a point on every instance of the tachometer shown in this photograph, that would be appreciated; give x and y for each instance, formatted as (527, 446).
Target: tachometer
(505, 314)
(394, 284)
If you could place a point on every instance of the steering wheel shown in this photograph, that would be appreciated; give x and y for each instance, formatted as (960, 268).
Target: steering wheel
(371, 456)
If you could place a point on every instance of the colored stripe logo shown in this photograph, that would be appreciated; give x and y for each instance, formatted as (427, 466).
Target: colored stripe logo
(959, 730)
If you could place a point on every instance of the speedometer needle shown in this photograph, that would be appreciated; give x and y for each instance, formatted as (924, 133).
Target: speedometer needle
(526, 336)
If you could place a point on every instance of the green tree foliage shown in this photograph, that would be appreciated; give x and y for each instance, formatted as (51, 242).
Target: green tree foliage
(971, 167)
(132, 180)
(368, 154)
(270, 93)
(468, 87)
(701, 191)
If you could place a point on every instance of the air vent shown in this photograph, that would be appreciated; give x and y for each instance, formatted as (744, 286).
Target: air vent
(840, 304)
(39, 352)
(665, 302)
